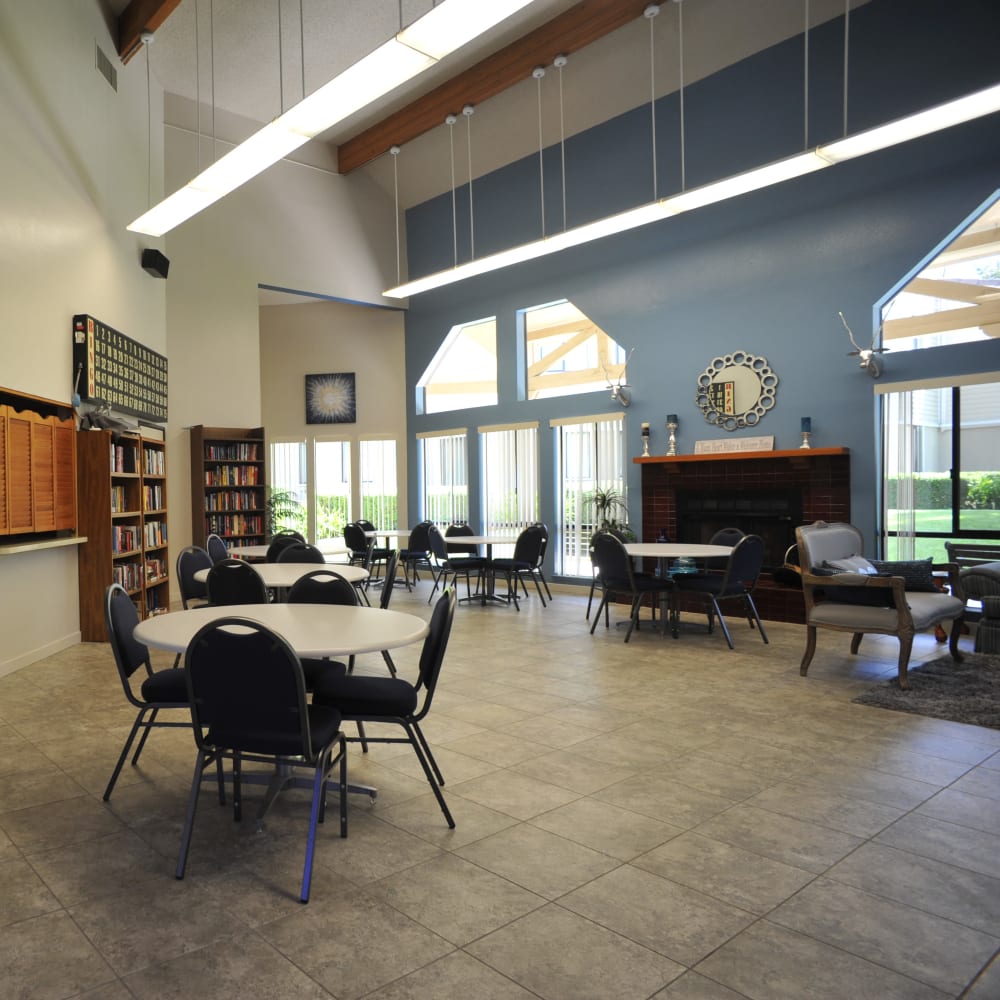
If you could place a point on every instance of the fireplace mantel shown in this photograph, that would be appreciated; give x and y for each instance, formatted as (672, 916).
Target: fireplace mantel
(795, 454)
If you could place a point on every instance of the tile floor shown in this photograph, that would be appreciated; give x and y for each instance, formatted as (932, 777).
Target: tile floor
(664, 819)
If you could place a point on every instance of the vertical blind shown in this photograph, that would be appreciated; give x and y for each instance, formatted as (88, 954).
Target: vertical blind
(510, 478)
(379, 494)
(444, 471)
(591, 454)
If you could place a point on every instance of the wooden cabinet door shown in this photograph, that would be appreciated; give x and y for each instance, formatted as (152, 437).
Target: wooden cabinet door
(43, 480)
(64, 442)
(18, 466)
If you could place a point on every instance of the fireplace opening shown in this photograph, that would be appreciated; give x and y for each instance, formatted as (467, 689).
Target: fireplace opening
(772, 514)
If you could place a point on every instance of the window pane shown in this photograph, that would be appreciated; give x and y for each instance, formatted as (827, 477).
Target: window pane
(333, 490)
(379, 493)
(288, 486)
(463, 373)
(979, 446)
(445, 479)
(510, 463)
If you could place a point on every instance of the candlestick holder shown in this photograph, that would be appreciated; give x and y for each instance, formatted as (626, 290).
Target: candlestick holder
(805, 440)
(645, 446)
(672, 442)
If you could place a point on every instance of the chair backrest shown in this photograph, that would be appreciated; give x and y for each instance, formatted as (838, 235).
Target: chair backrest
(246, 690)
(389, 580)
(279, 543)
(545, 541)
(216, 548)
(120, 620)
(301, 553)
(354, 538)
(610, 557)
(745, 563)
(323, 586)
(461, 529)
(233, 581)
(726, 536)
(419, 540)
(189, 561)
(530, 545)
(439, 547)
(365, 525)
(820, 542)
(432, 653)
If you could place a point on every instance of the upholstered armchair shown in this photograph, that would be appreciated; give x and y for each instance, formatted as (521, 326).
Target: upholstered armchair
(846, 593)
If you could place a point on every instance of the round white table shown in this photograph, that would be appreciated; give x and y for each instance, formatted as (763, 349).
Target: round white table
(312, 630)
(676, 550)
(286, 574)
(332, 549)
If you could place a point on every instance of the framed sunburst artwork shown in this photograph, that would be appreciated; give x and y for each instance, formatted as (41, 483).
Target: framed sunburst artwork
(330, 399)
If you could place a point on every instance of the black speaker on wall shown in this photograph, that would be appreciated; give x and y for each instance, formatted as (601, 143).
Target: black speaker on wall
(154, 263)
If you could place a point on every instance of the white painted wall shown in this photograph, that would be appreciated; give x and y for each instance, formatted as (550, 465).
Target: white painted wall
(73, 165)
(325, 337)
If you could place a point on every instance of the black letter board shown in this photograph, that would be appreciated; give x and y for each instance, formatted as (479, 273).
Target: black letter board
(109, 367)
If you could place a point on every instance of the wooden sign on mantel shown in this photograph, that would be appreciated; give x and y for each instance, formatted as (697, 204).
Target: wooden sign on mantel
(724, 445)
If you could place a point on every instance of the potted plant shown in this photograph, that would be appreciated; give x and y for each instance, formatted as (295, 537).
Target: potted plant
(282, 511)
(608, 504)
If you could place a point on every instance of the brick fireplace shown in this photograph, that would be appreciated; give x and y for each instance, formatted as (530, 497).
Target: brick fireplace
(768, 493)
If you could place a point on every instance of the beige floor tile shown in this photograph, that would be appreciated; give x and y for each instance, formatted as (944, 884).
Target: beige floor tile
(659, 796)
(458, 900)
(423, 818)
(669, 918)
(954, 806)
(692, 986)
(59, 824)
(790, 841)
(947, 842)
(515, 794)
(767, 961)
(983, 781)
(500, 749)
(987, 983)
(455, 977)
(572, 771)
(24, 894)
(606, 828)
(49, 956)
(537, 860)
(883, 931)
(561, 956)
(726, 872)
(454, 766)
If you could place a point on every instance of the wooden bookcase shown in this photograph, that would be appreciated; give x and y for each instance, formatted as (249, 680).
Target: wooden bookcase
(122, 491)
(228, 492)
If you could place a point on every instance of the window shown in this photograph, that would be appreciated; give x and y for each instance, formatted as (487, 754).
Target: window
(591, 454)
(379, 499)
(955, 297)
(510, 478)
(463, 373)
(567, 353)
(288, 490)
(941, 456)
(445, 477)
(333, 490)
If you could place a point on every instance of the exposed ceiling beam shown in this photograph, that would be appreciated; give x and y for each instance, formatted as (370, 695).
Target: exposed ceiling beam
(137, 17)
(575, 29)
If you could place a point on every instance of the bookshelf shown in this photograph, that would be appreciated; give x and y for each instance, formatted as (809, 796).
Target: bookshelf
(122, 492)
(228, 491)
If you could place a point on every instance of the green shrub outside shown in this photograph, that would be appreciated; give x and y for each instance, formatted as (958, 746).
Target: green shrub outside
(932, 491)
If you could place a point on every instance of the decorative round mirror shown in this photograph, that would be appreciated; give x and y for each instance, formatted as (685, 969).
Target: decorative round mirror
(736, 390)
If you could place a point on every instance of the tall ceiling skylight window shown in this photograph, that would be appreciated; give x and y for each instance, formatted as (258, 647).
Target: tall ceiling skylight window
(463, 373)
(567, 353)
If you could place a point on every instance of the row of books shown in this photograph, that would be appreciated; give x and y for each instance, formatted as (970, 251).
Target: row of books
(152, 497)
(128, 575)
(240, 451)
(235, 524)
(154, 462)
(124, 538)
(232, 500)
(155, 533)
(157, 602)
(233, 475)
(156, 569)
(124, 458)
(119, 500)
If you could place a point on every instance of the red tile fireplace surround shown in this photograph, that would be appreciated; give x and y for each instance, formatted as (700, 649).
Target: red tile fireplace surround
(819, 477)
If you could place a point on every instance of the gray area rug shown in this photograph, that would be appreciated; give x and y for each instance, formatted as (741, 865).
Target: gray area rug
(961, 692)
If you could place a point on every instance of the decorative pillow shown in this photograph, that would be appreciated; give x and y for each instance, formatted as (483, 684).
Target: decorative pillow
(916, 573)
(851, 564)
(872, 597)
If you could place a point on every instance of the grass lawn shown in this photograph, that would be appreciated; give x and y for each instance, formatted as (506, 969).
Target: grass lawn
(940, 521)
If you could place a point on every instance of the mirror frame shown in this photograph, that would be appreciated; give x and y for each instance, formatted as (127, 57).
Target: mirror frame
(748, 414)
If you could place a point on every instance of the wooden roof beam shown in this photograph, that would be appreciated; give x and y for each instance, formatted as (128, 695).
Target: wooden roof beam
(569, 32)
(137, 17)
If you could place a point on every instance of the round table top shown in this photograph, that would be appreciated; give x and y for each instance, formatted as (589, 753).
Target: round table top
(312, 630)
(677, 550)
(480, 539)
(286, 574)
(331, 547)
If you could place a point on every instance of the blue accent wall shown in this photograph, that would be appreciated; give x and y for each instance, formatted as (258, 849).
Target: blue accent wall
(765, 273)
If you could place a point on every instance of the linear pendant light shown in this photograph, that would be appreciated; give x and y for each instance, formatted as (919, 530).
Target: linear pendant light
(942, 116)
(441, 31)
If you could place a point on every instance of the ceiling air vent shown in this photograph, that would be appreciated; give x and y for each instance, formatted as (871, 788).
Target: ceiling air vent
(106, 68)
